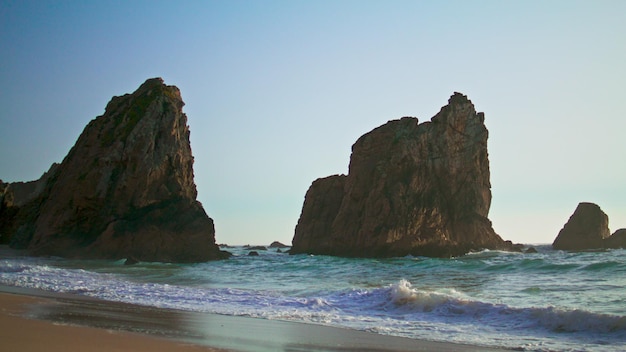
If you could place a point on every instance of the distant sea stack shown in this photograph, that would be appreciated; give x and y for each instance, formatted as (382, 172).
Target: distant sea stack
(412, 189)
(125, 190)
(588, 228)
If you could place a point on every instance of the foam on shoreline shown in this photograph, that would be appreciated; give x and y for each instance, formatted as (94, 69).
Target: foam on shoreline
(200, 330)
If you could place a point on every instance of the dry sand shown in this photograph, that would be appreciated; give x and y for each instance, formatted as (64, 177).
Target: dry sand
(32, 320)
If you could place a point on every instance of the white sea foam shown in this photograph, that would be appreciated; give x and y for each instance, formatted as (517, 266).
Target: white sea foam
(402, 293)
(560, 320)
(406, 298)
(436, 306)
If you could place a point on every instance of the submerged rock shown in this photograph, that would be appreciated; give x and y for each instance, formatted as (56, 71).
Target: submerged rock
(419, 189)
(125, 190)
(588, 228)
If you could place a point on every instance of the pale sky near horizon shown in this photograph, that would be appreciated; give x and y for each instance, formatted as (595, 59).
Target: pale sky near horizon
(277, 92)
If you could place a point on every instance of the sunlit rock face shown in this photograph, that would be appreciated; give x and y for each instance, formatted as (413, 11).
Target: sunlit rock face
(125, 189)
(419, 189)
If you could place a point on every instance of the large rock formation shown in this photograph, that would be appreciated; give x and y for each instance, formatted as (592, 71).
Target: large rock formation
(588, 228)
(125, 189)
(420, 189)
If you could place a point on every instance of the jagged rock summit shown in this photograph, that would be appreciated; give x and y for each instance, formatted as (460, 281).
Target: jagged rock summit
(125, 190)
(588, 228)
(419, 189)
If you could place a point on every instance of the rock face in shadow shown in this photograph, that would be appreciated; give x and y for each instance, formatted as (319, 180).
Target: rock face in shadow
(617, 239)
(18, 206)
(419, 189)
(588, 228)
(125, 189)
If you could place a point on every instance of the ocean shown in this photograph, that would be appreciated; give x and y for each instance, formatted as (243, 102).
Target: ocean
(545, 301)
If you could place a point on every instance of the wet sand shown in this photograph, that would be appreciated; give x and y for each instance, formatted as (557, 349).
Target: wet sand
(32, 320)
(21, 333)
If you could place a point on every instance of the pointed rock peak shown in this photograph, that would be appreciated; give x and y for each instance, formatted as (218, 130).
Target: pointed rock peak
(151, 89)
(157, 84)
(458, 98)
(149, 85)
(459, 110)
(582, 206)
(156, 81)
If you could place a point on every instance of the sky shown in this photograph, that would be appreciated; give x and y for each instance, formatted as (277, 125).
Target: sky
(277, 92)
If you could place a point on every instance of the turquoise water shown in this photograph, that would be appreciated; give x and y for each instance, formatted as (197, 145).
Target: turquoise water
(547, 301)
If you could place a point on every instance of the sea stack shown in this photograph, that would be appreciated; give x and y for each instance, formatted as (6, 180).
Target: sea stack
(412, 189)
(588, 229)
(125, 190)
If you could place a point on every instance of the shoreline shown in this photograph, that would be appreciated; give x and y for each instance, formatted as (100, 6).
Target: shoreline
(20, 331)
(73, 320)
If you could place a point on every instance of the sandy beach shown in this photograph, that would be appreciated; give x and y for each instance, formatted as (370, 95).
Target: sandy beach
(32, 320)
(19, 333)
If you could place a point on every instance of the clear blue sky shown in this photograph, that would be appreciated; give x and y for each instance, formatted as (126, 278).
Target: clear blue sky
(276, 93)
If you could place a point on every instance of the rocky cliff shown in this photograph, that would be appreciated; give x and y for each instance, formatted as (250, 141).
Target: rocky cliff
(588, 228)
(125, 189)
(420, 189)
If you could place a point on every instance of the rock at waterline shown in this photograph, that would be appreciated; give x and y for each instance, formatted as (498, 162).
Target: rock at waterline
(125, 190)
(277, 244)
(617, 239)
(418, 189)
(588, 228)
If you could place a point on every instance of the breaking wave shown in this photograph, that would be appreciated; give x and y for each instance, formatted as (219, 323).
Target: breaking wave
(434, 304)
(407, 299)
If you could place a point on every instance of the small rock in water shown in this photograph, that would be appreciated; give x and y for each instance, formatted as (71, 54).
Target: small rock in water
(277, 244)
(131, 260)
